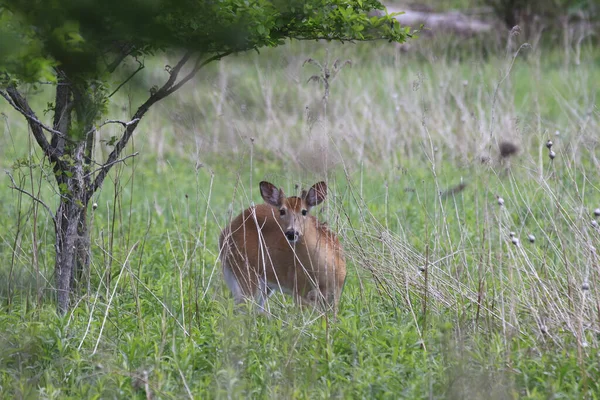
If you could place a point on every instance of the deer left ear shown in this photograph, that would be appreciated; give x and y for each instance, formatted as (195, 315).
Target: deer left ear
(316, 194)
(271, 195)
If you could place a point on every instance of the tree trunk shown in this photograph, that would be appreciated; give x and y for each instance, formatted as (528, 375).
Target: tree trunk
(72, 243)
(71, 157)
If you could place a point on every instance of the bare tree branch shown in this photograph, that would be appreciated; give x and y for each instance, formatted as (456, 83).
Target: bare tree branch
(18, 189)
(169, 87)
(125, 51)
(139, 68)
(199, 65)
(171, 81)
(18, 102)
(113, 121)
(114, 162)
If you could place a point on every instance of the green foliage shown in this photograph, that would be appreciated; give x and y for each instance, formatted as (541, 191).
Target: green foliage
(83, 43)
(80, 36)
(125, 337)
(21, 53)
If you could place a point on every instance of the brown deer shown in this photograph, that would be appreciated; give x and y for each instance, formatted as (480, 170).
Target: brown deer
(279, 246)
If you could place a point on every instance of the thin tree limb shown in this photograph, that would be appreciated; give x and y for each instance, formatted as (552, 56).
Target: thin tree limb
(125, 51)
(113, 121)
(169, 87)
(172, 78)
(18, 102)
(199, 65)
(18, 189)
(114, 162)
(140, 67)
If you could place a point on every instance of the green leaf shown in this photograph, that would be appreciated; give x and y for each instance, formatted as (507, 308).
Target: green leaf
(63, 188)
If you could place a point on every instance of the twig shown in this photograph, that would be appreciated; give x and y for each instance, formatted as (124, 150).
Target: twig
(125, 51)
(112, 295)
(497, 89)
(185, 385)
(140, 67)
(196, 68)
(174, 73)
(113, 121)
(147, 385)
(111, 164)
(17, 188)
(29, 116)
(169, 87)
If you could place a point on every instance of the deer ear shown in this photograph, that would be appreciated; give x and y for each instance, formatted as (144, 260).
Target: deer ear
(316, 194)
(271, 195)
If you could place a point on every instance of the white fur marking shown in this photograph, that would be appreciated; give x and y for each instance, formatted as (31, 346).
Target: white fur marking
(232, 284)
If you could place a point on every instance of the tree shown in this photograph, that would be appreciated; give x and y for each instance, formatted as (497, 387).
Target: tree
(77, 45)
(515, 12)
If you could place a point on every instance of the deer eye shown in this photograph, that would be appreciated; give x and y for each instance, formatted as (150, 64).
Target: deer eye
(282, 212)
(304, 212)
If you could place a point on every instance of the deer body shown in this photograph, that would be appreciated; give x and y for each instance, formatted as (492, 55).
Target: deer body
(278, 246)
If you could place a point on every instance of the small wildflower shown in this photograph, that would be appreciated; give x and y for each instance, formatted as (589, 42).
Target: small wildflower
(531, 238)
(544, 329)
(422, 268)
(585, 286)
(512, 234)
(515, 241)
(557, 133)
(94, 206)
(597, 212)
(595, 223)
(552, 154)
(500, 201)
(549, 144)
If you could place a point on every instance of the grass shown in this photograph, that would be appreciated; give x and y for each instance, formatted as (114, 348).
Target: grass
(439, 303)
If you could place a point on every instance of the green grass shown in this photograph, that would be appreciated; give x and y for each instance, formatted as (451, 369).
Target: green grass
(438, 302)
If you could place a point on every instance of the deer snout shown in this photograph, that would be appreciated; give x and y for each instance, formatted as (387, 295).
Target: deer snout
(292, 235)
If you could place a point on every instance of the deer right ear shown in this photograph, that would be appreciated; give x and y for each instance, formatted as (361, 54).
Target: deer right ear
(316, 194)
(271, 195)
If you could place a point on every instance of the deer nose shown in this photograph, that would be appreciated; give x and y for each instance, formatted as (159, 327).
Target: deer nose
(291, 235)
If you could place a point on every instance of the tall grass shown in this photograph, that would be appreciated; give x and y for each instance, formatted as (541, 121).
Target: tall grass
(446, 295)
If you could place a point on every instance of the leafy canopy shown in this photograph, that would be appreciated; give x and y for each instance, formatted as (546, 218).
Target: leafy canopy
(83, 38)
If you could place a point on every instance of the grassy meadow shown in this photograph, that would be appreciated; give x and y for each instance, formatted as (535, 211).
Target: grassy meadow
(449, 294)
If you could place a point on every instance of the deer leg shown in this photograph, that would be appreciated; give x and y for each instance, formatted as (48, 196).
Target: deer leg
(233, 284)
(262, 296)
